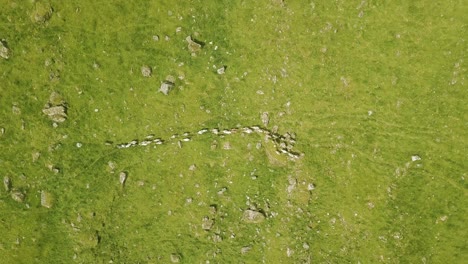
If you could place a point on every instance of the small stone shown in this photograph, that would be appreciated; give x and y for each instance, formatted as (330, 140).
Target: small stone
(221, 70)
(214, 145)
(56, 98)
(46, 199)
(42, 13)
(35, 156)
(17, 196)
(415, 158)
(175, 258)
(265, 118)
(146, 71)
(193, 46)
(166, 87)
(56, 113)
(227, 145)
(16, 110)
(122, 177)
(7, 183)
(207, 223)
(252, 216)
(4, 50)
(310, 186)
(170, 78)
(245, 250)
(156, 38)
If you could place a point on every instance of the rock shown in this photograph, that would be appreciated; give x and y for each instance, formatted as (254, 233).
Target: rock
(56, 108)
(193, 45)
(146, 71)
(122, 177)
(56, 113)
(56, 98)
(42, 13)
(46, 199)
(175, 258)
(166, 87)
(221, 70)
(4, 50)
(252, 216)
(246, 249)
(207, 223)
(227, 145)
(265, 118)
(7, 183)
(17, 196)
(156, 38)
(415, 158)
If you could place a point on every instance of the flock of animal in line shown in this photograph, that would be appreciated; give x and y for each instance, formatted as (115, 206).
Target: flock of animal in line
(283, 143)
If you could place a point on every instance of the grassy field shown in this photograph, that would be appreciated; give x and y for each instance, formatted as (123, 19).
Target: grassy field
(374, 91)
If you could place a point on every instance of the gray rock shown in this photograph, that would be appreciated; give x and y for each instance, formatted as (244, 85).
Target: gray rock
(56, 113)
(265, 118)
(175, 258)
(17, 196)
(221, 70)
(193, 46)
(207, 223)
(7, 183)
(4, 50)
(146, 71)
(46, 199)
(246, 249)
(122, 177)
(56, 108)
(252, 216)
(166, 87)
(42, 12)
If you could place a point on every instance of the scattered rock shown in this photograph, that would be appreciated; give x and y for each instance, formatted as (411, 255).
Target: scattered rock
(170, 78)
(221, 70)
(193, 45)
(207, 223)
(214, 145)
(17, 196)
(15, 109)
(167, 85)
(56, 113)
(246, 249)
(42, 13)
(122, 177)
(156, 38)
(175, 258)
(46, 199)
(415, 158)
(252, 216)
(146, 71)
(56, 108)
(227, 145)
(7, 183)
(4, 50)
(292, 184)
(56, 98)
(265, 118)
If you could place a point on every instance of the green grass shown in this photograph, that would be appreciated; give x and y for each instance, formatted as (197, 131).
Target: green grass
(364, 86)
